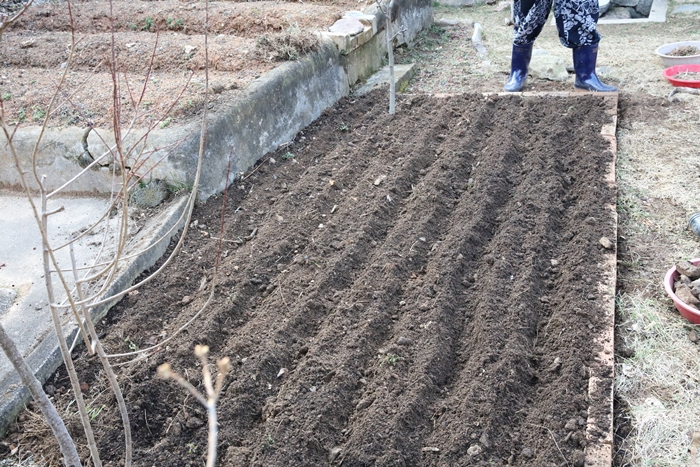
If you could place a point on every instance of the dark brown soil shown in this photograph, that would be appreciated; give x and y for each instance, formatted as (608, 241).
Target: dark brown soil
(427, 280)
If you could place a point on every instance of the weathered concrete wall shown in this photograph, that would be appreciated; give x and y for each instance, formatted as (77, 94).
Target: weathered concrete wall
(362, 61)
(52, 160)
(276, 108)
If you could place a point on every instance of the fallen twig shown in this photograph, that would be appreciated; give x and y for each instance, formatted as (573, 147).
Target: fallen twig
(675, 91)
(555, 441)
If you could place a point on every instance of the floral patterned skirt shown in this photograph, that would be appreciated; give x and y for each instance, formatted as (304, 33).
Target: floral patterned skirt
(576, 21)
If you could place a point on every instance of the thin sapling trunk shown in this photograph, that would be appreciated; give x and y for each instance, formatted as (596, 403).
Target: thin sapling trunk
(53, 419)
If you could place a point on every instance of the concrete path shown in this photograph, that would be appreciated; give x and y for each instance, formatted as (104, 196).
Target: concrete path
(25, 315)
(24, 310)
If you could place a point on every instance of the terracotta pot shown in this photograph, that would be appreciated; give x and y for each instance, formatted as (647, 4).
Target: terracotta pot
(689, 313)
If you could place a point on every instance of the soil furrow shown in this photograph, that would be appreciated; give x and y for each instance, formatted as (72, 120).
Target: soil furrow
(361, 329)
(443, 313)
(425, 313)
(277, 354)
(512, 367)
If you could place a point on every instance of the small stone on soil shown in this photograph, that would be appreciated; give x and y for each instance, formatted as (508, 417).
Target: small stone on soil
(186, 299)
(527, 453)
(683, 292)
(404, 341)
(692, 336)
(606, 243)
(194, 422)
(555, 366)
(474, 450)
(571, 425)
(578, 458)
(364, 403)
(334, 454)
(688, 269)
(484, 439)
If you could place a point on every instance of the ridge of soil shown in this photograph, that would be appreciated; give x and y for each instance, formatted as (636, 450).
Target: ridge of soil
(427, 280)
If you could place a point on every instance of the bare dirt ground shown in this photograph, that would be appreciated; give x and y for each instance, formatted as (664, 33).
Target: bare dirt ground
(338, 357)
(420, 278)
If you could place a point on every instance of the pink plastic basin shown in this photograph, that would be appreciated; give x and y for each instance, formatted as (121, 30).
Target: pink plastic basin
(688, 313)
(669, 73)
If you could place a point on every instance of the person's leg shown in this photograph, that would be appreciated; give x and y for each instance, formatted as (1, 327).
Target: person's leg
(576, 22)
(530, 17)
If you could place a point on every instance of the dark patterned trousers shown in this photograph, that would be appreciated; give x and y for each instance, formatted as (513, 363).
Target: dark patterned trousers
(576, 21)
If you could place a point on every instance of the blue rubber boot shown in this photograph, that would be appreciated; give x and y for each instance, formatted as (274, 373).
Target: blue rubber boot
(584, 63)
(519, 63)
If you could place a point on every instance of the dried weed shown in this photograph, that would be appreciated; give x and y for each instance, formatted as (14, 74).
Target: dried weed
(290, 44)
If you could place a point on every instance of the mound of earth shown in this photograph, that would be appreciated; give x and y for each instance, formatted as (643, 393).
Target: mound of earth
(416, 289)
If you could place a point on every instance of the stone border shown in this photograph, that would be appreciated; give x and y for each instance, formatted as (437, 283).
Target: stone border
(599, 451)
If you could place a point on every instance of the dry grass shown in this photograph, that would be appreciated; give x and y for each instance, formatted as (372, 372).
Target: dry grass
(663, 377)
(660, 383)
(290, 44)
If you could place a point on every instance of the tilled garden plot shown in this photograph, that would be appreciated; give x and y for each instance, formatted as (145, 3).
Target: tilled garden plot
(430, 282)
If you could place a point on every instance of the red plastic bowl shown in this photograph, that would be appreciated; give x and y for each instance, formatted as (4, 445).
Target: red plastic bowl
(688, 313)
(670, 72)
